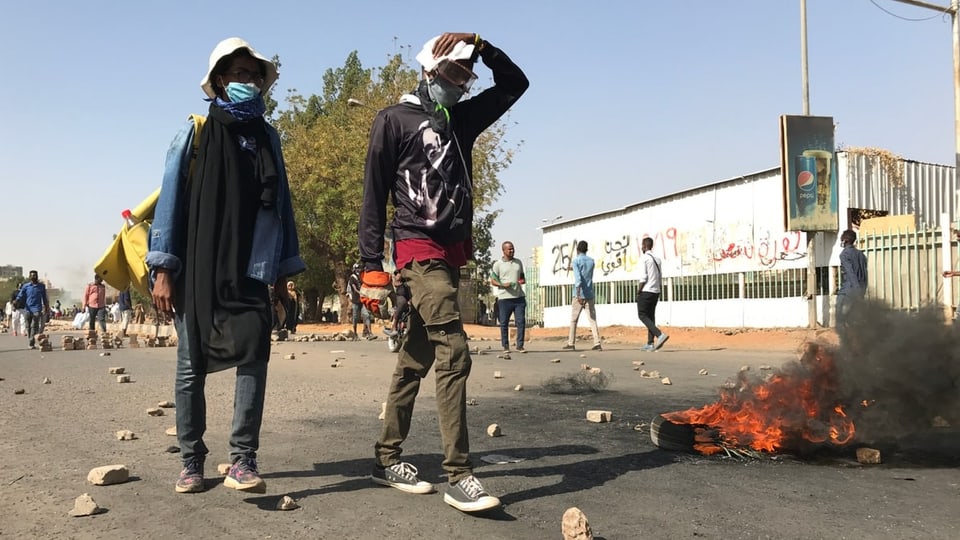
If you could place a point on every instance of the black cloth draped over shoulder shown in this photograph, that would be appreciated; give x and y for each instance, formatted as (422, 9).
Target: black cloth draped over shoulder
(226, 312)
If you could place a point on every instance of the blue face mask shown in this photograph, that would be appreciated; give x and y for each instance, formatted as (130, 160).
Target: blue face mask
(238, 92)
(444, 93)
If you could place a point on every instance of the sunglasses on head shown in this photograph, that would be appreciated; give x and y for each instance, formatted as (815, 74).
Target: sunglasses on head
(455, 73)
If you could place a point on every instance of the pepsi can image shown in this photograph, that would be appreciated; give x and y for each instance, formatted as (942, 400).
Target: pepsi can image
(806, 185)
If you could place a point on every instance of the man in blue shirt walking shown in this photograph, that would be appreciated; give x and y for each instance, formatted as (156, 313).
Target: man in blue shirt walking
(125, 305)
(583, 297)
(34, 294)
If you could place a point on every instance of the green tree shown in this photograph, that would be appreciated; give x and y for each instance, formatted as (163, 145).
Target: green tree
(482, 242)
(325, 146)
(8, 287)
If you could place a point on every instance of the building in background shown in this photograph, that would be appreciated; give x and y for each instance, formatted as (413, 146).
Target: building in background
(9, 271)
(728, 260)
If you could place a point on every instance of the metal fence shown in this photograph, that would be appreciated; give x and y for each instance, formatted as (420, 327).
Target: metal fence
(905, 267)
(777, 283)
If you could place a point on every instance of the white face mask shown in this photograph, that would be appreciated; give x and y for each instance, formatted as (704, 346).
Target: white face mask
(443, 92)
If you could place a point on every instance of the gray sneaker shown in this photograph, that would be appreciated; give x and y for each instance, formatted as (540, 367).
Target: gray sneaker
(468, 495)
(660, 341)
(648, 348)
(402, 476)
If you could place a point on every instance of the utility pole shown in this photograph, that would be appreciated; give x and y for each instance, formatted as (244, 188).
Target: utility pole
(805, 77)
(952, 9)
(811, 235)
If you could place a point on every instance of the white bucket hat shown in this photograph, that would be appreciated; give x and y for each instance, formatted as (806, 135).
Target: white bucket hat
(226, 48)
(461, 51)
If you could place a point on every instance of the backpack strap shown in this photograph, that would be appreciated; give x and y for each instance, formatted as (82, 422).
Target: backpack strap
(198, 121)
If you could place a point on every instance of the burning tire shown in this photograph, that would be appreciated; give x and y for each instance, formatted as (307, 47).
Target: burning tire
(670, 436)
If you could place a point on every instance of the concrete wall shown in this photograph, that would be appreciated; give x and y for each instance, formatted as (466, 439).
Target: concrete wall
(730, 313)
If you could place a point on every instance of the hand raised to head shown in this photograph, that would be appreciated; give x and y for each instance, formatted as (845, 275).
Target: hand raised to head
(447, 40)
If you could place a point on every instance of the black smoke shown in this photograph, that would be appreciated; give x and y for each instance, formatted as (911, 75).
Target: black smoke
(899, 372)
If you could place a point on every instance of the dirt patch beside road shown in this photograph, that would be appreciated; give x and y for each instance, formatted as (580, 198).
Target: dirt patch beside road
(750, 339)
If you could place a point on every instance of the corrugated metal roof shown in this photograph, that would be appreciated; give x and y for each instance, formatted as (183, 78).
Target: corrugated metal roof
(927, 189)
(662, 198)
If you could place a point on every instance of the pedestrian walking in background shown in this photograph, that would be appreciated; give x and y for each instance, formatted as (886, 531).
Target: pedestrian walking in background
(648, 294)
(95, 303)
(33, 296)
(125, 304)
(583, 297)
(291, 303)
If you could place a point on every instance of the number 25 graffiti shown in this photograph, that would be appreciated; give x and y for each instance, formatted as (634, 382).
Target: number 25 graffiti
(563, 257)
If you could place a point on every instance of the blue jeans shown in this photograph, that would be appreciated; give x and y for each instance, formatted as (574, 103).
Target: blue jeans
(98, 314)
(34, 324)
(192, 404)
(518, 307)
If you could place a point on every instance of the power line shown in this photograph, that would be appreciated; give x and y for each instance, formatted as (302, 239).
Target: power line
(892, 14)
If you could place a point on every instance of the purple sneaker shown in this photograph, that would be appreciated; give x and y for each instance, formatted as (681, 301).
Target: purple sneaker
(243, 476)
(191, 477)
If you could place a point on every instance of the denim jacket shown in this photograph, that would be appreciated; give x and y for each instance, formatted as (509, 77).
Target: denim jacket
(276, 249)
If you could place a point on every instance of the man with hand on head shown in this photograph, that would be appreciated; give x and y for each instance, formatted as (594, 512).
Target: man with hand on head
(420, 156)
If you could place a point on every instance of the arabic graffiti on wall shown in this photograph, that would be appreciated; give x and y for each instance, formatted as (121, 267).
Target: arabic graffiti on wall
(715, 249)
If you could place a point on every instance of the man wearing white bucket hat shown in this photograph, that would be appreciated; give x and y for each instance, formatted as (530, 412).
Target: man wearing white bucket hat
(420, 153)
(223, 231)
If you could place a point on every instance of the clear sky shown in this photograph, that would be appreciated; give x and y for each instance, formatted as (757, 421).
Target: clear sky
(629, 100)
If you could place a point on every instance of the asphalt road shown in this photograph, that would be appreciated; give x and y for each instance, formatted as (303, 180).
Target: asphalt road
(317, 444)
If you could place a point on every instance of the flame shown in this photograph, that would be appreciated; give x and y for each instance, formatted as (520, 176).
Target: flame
(799, 402)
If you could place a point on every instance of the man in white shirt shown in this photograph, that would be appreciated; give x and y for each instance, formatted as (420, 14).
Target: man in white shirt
(648, 294)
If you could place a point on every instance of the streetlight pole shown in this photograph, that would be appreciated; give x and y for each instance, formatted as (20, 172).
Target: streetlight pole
(811, 236)
(805, 77)
(954, 10)
(551, 221)
(955, 19)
